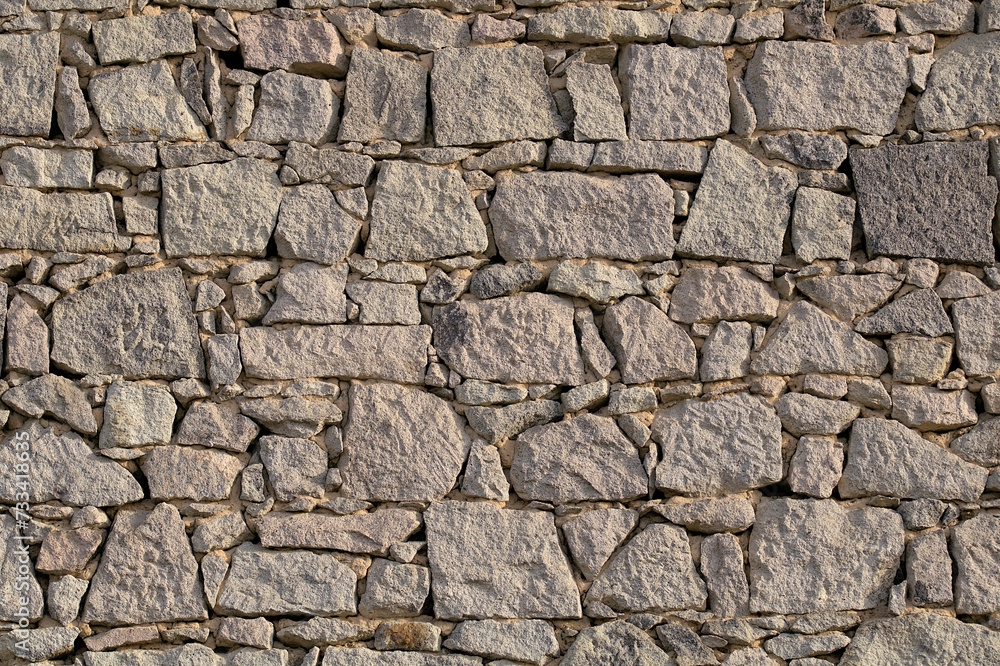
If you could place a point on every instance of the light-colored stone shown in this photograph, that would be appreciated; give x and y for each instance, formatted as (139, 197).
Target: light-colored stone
(594, 536)
(421, 30)
(394, 589)
(848, 296)
(803, 414)
(928, 637)
(144, 38)
(929, 408)
(293, 107)
(822, 225)
(28, 68)
(609, 642)
(725, 354)
(395, 110)
(180, 472)
(368, 533)
(294, 466)
(976, 346)
(712, 294)
(597, 103)
(647, 344)
(975, 547)
(52, 395)
(137, 415)
(307, 47)
(722, 567)
(815, 467)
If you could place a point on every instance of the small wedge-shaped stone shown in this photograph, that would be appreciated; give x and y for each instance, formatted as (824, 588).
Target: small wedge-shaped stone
(59, 222)
(615, 643)
(976, 321)
(804, 556)
(527, 339)
(548, 215)
(922, 638)
(401, 444)
(143, 103)
(265, 582)
(584, 458)
(728, 293)
(919, 312)
(385, 99)
(594, 537)
(961, 89)
(304, 47)
(975, 546)
(179, 472)
(65, 468)
(56, 396)
(648, 345)
(138, 325)
(368, 533)
(848, 296)
(147, 572)
(144, 38)
(228, 208)
(313, 227)
(497, 563)
(71, 107)
(723, 446)
(810, 341)
(741, 209)
(833, 86)
(886, 458)
(422, 212)
(653, 573)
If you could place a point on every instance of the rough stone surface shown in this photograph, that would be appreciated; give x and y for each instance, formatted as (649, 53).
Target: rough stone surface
(28, 68)
(596, 103)
(60, 222)
(144, 38)
(369, 533)
(613, 643)
(179, 472)
(293, 107)
(647, 345)
(975, 547)
(302, 47)
(709, 295)
(395, 110)
(959, 89)
(594, 536)
(976, 348)
(928, 637)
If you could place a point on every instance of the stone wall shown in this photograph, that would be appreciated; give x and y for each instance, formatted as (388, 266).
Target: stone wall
(445, 333)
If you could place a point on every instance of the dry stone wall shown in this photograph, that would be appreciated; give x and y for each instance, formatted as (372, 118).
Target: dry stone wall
(463, 332)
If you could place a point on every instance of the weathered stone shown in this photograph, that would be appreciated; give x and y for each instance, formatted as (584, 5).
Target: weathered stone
(178, 472)
(142, 103)
(666, 158)
(597, 105)
(64, 467)
(848, 296)
(975, 546)
(369, 533)
(147, 572)
(33, 167)
(865, 20)
(64, 597)
(942, 17)
(336, 656)
(815, 467)
(498, 340)
(595, 25)
(928, 570)
(421, 30)
(594, 281)
(722, 567)
(822, 225)
(394, 353)
(28, 68)
(71, 107)
(495, 280)
(686, 645)
(20, 593)
(484, 477)
(795, 646)
(726, 352)
(496, 424)
(304, 47)
(287, 582)
(137, 415)
(488, 30)
(394, 589)
(384, 303)
(959, 284)
(526, 641)
(312, 226)
(323, 631)
(400, 444)
(804, 556)
(919, 312)
(929, 408)
(675, 93)
(144, 38)
(52, 395)
(653, 573)
(212, 425)
(615, 643)
(921, 637)
(803, 414)
(220, 533)
(497, 563)
(385, 99)
(702, 28)
(710, 515)
(293, 107)
(976, 345)
(422, 212)
(956, 96)
(647, 345)
(853, 86)
(728, 445)
(905, 191)
(310, 294)
(886, 458)
(546, 215)
(594, 536)
(295, 466)
(806, 149)
(919, 360)
(728, 293)
(506, 156)
(981, 445)
(258, 632)
(585, 458)
(328, 165)
(228, 208)
(741, 209)
(810, 341)
(489, 95)
(60, 222)
(38, 645)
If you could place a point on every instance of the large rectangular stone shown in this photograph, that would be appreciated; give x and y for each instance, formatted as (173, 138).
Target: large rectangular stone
(547, 215)
(27, 83)
(144, 38)
(394, 353)
(59, 222)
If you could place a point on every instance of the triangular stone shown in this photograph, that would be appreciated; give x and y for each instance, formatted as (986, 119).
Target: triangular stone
(920, 312)
(593, 537)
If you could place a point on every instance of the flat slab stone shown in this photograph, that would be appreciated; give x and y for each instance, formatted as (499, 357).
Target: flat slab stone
(647, 344)
(422, 212)
(337, 656)
(981, 445)
(401, 444)
(421, 30)
(667, 158)
(216, 426)
(714, 294)
(810, 341)
(147, 572)
(528, 640)
(374, 110)
(584, 458)
(144, 38)
(674, 92)
(143, 103)
(739, 199)
(723, 446)
(302, 47)
(65, 468)
(36, 167)
(368, 533)
(497, 563)
(138, 325)
(933, 200)
(489, 95)
(28, 69)
(58, 222)
(962, 87)
(921, 638)
(328, 165)
(653, 573)
(885, 457)
(228, 208)
(817, 86)
(548, 215)
(528, 339)
(596, 25)
(804, 556)
(265, 582)
(393, 353)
